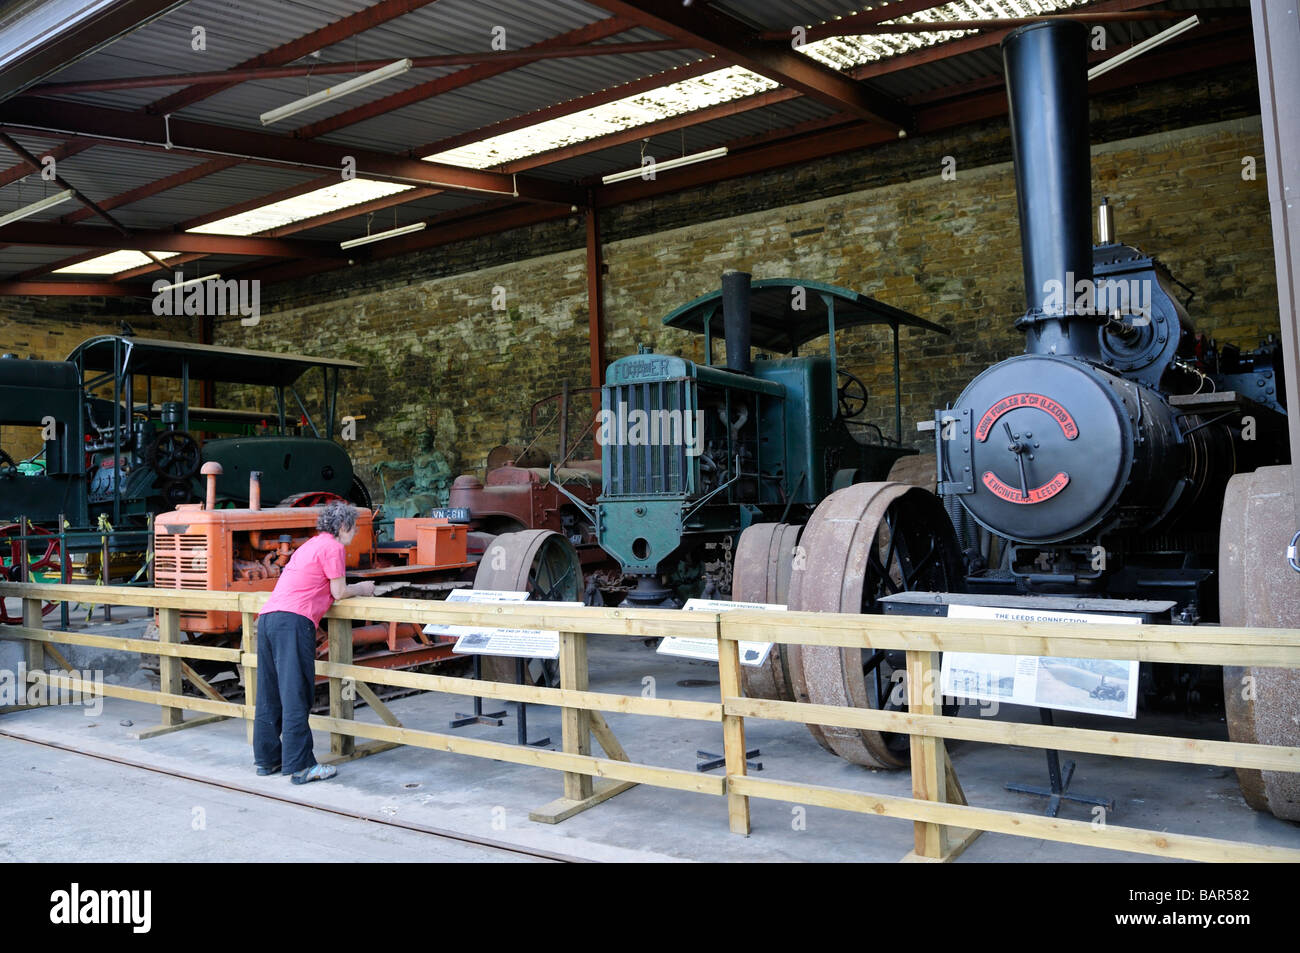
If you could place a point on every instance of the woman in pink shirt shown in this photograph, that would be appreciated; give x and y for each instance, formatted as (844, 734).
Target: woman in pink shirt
(286, 646)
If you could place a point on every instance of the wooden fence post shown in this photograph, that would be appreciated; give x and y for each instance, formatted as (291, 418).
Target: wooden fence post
(169, 666)
(340, 635)
(575, 723)
(33, 651)
(248, 645)
(733, 731)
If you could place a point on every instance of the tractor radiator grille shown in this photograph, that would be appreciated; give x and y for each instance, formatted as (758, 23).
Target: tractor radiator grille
(646, 452)
(180, 561)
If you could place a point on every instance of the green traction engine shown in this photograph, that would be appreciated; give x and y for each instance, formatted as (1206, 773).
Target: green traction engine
(692, 454)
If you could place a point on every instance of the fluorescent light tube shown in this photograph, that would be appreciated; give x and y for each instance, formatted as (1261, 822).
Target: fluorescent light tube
(331, 92)
(1119, 59)
(48, 202)
(380, 236)
(185, 284)
(666, 164)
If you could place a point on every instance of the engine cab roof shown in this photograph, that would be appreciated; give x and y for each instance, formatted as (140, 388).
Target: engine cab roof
(778, 328)
(234, 365)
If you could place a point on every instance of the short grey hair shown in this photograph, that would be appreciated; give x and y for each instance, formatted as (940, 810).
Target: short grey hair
(336, 517)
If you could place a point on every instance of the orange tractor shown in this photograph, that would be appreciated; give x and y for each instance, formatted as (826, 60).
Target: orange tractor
(199, 546)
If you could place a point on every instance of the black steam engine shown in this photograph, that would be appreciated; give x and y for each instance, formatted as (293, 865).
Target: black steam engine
(1096, 462)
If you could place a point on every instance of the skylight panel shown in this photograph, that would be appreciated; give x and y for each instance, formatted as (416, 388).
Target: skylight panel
(332, 198)
(113, 262)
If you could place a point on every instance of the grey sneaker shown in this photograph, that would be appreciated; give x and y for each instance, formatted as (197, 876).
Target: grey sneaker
(317, 772)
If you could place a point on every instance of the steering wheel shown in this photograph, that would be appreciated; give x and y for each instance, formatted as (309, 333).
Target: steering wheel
(175, 455)
(852, 395)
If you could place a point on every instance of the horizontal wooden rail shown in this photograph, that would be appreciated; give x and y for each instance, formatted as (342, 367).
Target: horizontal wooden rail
(210, 653)
(1084, 833)
(523, 754)
(558, 697)
(73, 683)
(1209, 645)
(196, 600)
(1232, 754)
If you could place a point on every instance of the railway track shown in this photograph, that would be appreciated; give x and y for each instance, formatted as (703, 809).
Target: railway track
(297, 802)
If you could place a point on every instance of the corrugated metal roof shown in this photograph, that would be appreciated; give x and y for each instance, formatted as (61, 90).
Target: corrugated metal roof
(237, 30)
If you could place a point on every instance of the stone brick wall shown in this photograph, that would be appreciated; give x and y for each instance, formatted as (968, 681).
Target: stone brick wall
(883, 221)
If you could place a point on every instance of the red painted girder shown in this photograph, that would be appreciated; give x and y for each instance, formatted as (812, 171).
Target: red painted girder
(203, 138)
(516, 58)
(328, 35)
(473, 74)
(730, 39)
(85, 236)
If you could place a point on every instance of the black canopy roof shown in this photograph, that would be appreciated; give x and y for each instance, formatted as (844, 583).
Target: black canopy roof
(234, 365)
(778, 328)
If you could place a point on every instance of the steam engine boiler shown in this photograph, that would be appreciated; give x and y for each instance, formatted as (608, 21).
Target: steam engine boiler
(1100, 456)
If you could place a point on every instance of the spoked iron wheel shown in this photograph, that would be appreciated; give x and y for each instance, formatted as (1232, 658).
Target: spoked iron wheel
(1258, 588)
(863, 542)
(49, 560)
(761, 573)
(311, 498)
(545, 565)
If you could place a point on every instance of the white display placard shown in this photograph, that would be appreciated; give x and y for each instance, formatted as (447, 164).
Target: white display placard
(515, 643)
(706, 650)
(1097, 686)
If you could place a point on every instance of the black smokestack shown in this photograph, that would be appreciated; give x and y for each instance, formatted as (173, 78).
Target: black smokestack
(736, 320)
(1047, 88)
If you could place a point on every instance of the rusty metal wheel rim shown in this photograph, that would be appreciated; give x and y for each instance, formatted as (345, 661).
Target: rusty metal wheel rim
(761, 573)
(545, 565)
(862, 542)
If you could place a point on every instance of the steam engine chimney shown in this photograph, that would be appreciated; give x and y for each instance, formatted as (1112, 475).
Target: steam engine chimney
(736, 320)
(1047, 77)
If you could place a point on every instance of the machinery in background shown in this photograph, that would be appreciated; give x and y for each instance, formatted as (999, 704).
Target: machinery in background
(694, 454)
(111, 437)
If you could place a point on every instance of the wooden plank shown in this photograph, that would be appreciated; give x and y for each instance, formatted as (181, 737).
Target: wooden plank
(380, 709)
(59, 660)
(211, 653)
(340, 650)
(605, 737)
(533, 695)
(33, 651)
(248, 666)
(674, 778)
(575, 723)
(189, 703)
(361, 751)
(733, 737)
(157, 730)
(561, 809)
(1209, 645)
(197, 600)
(1109, 837)
(929, 778)
(199, 682)
(1232, 754)
(956, 794)
(959, 838)
(169, 670)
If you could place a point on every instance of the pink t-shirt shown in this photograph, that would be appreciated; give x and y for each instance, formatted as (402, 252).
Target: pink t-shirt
(304, 585)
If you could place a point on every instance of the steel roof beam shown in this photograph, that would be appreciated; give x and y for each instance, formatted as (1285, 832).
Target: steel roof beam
(86, 236)
(731, 40)
(202, 138)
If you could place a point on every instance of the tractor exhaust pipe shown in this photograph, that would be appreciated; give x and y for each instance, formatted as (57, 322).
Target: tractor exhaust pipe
(255, 490)
(736, 320)
(211, 470)
(1047, 90)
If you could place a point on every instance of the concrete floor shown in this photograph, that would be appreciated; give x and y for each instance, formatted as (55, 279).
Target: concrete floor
(58, 802)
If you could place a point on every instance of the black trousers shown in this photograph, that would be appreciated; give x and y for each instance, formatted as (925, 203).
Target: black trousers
(286, 680)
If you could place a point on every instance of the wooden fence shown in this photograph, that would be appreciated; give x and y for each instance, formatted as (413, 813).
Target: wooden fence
(944, 824)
